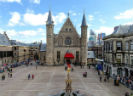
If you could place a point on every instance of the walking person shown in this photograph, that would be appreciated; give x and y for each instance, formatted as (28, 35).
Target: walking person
(28, 76)
(105, 79)
(3, 77)
(100, 78)
(80, 65)
(10, 75)
(32, 76)
(108, 76)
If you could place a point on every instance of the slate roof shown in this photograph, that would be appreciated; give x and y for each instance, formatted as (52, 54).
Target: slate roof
(121, 31)
(84, 21)
(18, 43)
(49, 20)
(4, 40)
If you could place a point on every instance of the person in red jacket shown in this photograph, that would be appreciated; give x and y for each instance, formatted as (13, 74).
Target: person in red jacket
(32, 76)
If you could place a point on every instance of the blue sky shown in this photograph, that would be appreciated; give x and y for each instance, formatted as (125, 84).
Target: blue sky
(24, 20)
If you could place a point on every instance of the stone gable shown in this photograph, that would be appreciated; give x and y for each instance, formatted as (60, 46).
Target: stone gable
(67, 31)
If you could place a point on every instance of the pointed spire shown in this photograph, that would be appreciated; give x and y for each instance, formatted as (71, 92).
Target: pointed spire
(84, 21)
(49, 20)
(68, 14)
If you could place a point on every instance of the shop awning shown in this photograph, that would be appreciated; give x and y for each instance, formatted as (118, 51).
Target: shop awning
(69, 55)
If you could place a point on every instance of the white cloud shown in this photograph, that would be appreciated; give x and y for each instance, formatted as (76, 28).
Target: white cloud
(91, 17)
(35, 19)
(40, 19)
(28, 33)
(30, 18)
(104, 29)
(102, 21)
(59, 18)
(14, 19)
(11, 33)
(128, 14)
(35, 1)
(72, 13)
(32, 32)
(10, 1)
(26, 36)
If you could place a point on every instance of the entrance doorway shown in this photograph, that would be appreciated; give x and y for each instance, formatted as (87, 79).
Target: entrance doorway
(68, 58)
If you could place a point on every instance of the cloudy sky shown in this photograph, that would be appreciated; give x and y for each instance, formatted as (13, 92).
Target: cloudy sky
(24, 20)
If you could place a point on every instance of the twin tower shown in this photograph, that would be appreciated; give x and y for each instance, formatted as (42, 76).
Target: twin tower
(60, 47)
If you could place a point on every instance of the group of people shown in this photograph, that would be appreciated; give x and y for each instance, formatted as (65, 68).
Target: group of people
(127, 81)
(9, 74)
(82, 65)
(30, 76)
(103, 76)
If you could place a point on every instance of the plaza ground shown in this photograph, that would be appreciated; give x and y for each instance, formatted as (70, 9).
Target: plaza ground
(51, 80)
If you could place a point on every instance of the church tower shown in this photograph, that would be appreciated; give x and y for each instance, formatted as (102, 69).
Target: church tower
(84, 46)
(50, 39)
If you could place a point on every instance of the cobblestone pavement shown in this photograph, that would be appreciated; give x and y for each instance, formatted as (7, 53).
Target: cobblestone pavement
(51, 80)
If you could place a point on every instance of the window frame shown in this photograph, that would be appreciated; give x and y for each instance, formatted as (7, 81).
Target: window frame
(120, 45)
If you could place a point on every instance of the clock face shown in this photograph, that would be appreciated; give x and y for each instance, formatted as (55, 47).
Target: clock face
(68, 41)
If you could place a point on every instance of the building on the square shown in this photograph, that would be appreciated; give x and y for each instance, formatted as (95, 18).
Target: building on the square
(118, 51)
(34, 51)
(92, 39)
(20, 53)
(91, 58)
(42, 54)
(6, 52)
(100, 38)
(95, 48)
(67, 41)
(6, 55)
